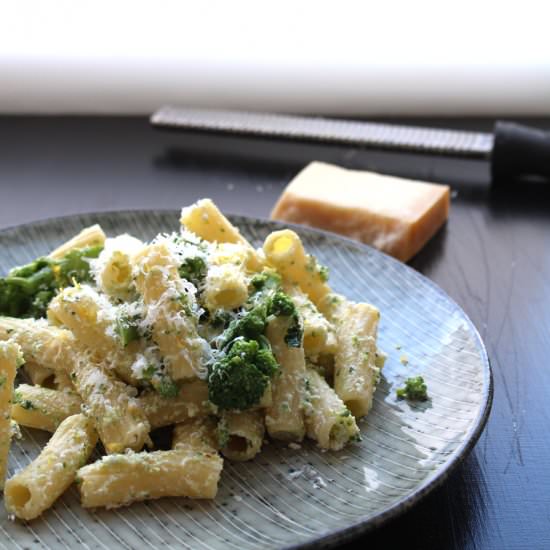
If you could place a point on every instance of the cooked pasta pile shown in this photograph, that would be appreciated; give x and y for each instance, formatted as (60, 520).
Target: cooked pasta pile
(196, 330)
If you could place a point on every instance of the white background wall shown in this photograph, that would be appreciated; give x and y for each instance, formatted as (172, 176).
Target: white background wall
(384, 57)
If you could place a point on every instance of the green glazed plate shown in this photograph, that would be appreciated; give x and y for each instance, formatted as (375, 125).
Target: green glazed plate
(295, 497)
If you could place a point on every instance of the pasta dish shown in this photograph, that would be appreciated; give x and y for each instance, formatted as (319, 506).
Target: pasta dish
(108, 339)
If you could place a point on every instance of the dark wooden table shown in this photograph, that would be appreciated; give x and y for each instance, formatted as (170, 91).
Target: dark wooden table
(493, 258)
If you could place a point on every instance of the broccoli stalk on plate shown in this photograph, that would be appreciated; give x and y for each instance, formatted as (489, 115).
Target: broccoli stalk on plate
(26, 291)
(415, 389)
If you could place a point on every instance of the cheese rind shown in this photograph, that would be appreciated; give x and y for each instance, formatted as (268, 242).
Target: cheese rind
(395, 215)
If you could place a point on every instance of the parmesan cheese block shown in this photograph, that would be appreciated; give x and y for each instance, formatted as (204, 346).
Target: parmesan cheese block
(395, 215)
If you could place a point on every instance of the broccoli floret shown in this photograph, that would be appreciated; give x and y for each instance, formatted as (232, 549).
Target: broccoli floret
(415, 389)
(281, 304)
(266, 362)
(239, 378)
(27, 290)
(251, 325)
(194, 270)
(267, 300)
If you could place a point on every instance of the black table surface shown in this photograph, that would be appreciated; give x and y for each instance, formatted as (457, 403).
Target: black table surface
(493, 258)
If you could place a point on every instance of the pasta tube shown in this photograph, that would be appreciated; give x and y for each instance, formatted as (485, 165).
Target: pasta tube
(119, 480)
(10, 359)
(328, 420)
(241, 434)
(226, 284)
(48, 346)
(35, 488)
(355, 364)
(205, 219)
(198, 434)
(43, 408)
(319, 336)
(285, 252)
(119, 420)
(92, 319)
(284, 418)
(191, 401)
(62, 381)
(89, 236)
(171, 311)
(113, 268)
(39, 376)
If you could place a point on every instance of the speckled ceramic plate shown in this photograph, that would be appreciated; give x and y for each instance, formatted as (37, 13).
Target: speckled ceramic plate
(304, 497)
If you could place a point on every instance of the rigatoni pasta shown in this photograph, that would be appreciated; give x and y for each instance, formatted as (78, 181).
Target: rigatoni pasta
(10, 359)
(241, 434)
(284, 251)
(89, 236)
(195, 330)
(119, 480)
(43, 344)
(35, 488)
(328, 420)
(171, 306)
(284, 418)
(43, 408)
(120, 422)
(355, 370)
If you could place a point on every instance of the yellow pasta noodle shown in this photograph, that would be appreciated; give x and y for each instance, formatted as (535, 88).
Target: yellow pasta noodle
(171, 306)
(285, 252)
(205, 219)
(199, 434)
(355, 370)
(120, 421)
(319, 335)
(241, 434)
(92, 319)
(38, 375)
(43, 408)
(62, 381)
(113, 268)
(89, 236)
(35, 488)
(41, 343)
(284, 418)
(191, 401)
(10, 359)
(226, 284)
(328, 420)
(119, 480)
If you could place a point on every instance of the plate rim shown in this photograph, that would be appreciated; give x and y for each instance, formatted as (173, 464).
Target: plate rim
(366, 524)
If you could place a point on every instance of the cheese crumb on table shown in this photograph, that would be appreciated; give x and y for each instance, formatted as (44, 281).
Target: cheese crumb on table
(395, 215)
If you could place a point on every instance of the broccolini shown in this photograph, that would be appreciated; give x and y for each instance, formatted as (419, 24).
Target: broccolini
(27, 290)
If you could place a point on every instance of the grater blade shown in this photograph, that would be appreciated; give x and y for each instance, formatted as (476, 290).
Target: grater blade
(370, 134)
